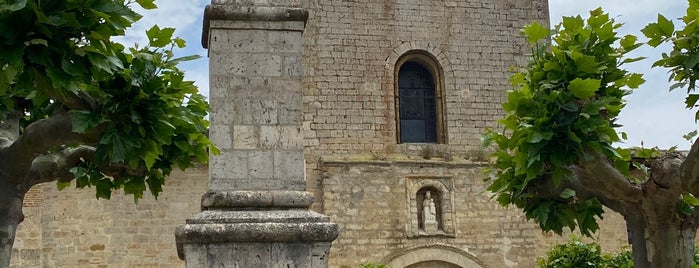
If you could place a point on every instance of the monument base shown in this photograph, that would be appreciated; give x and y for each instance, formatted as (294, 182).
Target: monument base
(256, 229)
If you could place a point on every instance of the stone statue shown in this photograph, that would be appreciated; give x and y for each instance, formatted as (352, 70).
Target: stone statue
(429, 213)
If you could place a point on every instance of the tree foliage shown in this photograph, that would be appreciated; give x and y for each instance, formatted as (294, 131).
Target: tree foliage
(563, 111)
(131, 108)
(555, 159)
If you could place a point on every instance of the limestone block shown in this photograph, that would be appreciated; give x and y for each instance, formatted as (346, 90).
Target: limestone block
(292, 66)
(229, 165)
(290, 111)
(285, 41)
(245, 137)
(260, 164)
(225, 111)
(220, 136)
(281, 136)
(239, 41)
(259, 112)
(286, 88)
(289, 165)
(246, 64)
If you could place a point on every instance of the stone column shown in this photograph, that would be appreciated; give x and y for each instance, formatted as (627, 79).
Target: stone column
(256, 211)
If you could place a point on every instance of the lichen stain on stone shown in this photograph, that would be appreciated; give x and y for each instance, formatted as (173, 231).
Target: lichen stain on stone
(97, 247)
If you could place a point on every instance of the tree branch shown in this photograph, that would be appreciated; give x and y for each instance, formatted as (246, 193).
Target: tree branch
(9, 129)
(56, 166)
(41, 136)
(600, 177)
(689, 170)
(76, 101)
(547, 189)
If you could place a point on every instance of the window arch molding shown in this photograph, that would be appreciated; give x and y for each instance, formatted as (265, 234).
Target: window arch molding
(430, 64)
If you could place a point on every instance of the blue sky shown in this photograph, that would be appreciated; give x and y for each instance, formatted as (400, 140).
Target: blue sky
(653, 115)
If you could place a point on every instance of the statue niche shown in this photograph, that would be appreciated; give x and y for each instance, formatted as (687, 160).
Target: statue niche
(429, 211)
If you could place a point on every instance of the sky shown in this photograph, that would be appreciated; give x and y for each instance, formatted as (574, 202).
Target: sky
(653, 116)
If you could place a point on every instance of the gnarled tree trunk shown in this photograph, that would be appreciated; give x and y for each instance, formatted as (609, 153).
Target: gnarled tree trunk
(11, 197)
(661, 242)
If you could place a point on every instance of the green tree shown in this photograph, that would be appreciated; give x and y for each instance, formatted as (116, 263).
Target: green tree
(555, 157)
(75, 106)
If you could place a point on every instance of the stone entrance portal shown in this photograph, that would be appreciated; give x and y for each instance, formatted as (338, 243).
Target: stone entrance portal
(433, 264)
(433, 256)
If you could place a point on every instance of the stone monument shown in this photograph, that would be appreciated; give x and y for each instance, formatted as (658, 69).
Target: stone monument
(256, 211)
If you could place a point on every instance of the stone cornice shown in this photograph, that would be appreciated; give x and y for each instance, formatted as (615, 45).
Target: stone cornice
(248, 13)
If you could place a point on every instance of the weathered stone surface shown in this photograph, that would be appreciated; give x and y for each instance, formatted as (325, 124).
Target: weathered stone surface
(256, 214)
(267, 255)
(250, 11)
(256, 199)
(259, 232)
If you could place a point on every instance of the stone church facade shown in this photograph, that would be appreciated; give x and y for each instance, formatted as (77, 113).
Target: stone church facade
(396, 94)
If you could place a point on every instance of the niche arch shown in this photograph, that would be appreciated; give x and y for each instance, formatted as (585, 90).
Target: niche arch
(441, 189)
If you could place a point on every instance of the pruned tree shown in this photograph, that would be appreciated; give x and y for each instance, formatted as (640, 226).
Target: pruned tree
(78, 107)
(555, 158)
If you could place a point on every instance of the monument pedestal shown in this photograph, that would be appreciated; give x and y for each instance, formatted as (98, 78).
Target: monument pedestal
(256, 211)
(256, 229)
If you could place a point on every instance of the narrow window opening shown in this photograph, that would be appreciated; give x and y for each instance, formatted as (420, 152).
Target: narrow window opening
(418, 116)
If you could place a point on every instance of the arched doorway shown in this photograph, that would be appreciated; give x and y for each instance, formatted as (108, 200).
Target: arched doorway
(432, 256)
(433, 264)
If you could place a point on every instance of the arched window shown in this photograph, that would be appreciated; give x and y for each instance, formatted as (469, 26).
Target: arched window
(419, 101)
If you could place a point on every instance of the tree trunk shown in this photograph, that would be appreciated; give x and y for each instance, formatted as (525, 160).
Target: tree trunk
(660, 243)
(11, 196)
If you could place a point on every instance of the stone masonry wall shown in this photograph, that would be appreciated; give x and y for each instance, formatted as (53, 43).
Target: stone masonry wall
(71, 228)
(367, 198)
(351, 51)
(355, 166)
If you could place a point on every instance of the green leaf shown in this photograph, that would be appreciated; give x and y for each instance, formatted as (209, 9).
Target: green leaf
(38, 41)
(487, 138)
(628, 42)
(159, 37)
(666, 27)
(135, 186)
(62, 185)
(535, 32)
(185, 58)
(84, 121)
(691, 100)
(179, 42)
(103, 188)
(12, 5)
(690, 199)
(147, 4)
(584, 88)
(567, 193)
(635, 80)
